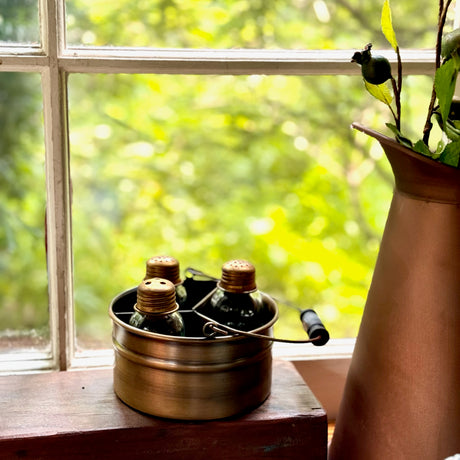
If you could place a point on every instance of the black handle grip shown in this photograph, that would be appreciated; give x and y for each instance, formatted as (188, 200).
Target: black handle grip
(314, 327)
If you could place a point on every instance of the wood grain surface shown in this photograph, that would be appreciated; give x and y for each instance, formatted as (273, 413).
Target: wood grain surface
(75, 414)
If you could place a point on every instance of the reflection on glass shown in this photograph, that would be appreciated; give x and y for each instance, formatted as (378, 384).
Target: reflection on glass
(273, 24)
(23, 274)
(207, 169)
(19, 22)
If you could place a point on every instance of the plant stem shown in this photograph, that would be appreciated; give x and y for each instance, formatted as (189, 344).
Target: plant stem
(397, 87)
(397, 115)
(441, 22)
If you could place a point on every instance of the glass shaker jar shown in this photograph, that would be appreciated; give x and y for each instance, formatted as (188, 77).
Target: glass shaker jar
(156, 308)
(167, 267)
(237, 303)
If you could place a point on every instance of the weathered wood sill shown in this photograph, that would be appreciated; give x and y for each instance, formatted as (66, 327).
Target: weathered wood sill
(75, 414)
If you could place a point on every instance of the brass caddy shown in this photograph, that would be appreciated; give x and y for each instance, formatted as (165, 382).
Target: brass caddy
(193, 377)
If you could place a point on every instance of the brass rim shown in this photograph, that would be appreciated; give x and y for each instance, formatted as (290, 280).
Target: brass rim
(168, 338)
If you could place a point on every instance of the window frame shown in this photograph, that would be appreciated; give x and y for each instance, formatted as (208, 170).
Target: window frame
(55, 62)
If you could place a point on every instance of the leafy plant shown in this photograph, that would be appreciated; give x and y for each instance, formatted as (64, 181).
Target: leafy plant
(443, 107)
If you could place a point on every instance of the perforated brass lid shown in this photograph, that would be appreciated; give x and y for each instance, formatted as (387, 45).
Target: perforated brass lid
(238, 276)
(163, 267)
(156, 295)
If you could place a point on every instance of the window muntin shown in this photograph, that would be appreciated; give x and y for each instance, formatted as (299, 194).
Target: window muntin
(252, 24)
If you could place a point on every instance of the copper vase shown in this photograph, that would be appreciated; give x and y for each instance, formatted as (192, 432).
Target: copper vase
(402, 395)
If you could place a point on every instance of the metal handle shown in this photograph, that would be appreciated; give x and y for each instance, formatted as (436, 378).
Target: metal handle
(214, 327)
(315, 329)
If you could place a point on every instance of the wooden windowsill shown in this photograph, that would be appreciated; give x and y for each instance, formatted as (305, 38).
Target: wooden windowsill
(76, 414)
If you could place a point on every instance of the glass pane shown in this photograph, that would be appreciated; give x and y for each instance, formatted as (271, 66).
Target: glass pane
(23, 273)
(207, 169)
(19, 21)
(269, 24)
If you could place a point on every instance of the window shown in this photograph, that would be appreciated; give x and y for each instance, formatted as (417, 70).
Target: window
(206, 130)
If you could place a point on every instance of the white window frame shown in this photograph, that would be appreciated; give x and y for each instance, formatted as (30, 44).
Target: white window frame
(55, 62)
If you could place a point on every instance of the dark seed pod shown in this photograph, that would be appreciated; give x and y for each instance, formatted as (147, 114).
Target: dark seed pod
(375, 69)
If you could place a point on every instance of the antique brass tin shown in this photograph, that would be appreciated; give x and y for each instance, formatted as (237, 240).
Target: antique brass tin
(192, 377)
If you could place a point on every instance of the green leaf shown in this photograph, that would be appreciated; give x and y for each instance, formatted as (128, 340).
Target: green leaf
(451, 131)
(439, 149)
(420, 147)
(380, 92)
(387, 25)
(444, 81)
(399, 137)
(451, 154)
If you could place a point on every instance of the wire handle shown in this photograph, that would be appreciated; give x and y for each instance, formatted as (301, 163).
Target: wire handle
(315, 329)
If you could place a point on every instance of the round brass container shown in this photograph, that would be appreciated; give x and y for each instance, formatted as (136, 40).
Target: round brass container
(192, 377)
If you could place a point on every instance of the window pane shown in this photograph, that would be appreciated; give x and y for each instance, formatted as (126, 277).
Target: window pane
(23, 274)
(19, 21)
(207, 169)
(270, 24)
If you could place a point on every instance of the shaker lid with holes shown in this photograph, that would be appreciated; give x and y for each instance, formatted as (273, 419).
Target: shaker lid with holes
(156, 295)
(163, 267)
(238, 276)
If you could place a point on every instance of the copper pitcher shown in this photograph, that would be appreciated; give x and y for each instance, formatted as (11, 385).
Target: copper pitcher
(402, 395)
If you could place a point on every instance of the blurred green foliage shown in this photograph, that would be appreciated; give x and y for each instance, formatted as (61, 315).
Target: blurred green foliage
(23, 276)
(210, 168)
(269, 24)
(19, 21)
